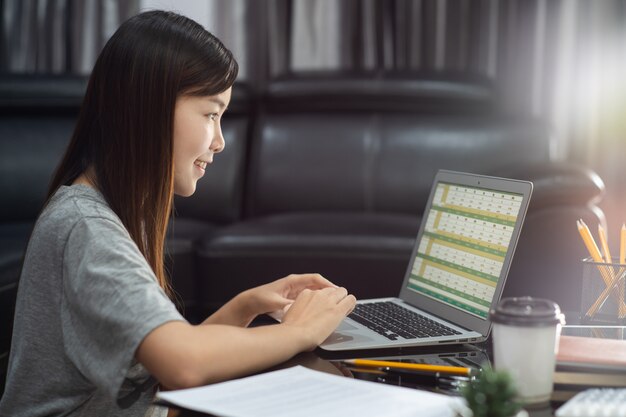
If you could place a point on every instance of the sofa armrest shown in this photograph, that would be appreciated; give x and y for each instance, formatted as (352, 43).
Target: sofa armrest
(558, 183)
(547, 257)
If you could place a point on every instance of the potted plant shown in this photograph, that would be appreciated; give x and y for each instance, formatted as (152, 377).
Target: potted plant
(491, 394)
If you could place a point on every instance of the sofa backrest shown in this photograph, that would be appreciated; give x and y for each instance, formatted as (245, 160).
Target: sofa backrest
(37, 118)
(377, 161)
(30, 148)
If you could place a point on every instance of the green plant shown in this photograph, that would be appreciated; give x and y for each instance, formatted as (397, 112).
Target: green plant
(492, 394)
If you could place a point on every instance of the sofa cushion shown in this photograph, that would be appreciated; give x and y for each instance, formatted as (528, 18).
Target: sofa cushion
(180, 261)
(348, 248)
(323, 233)
(13, 241)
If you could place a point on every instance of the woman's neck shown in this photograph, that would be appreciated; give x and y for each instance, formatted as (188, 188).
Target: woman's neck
(85, 178)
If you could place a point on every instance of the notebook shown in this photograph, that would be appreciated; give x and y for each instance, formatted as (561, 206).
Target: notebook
(456, 272)
(590, 354)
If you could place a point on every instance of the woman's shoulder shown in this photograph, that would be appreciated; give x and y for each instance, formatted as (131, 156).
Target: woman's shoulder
(71, 205)
(82, 200)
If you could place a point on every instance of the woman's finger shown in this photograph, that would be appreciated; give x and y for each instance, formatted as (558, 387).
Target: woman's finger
(336, 294)
(348, 303)
(314, 281)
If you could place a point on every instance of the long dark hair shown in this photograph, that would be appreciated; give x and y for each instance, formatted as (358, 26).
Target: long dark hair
(125, 126)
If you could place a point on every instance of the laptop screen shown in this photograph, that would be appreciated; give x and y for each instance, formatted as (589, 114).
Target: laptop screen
(463, 247)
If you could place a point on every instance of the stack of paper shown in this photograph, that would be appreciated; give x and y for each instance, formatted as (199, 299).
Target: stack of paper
(300, 392)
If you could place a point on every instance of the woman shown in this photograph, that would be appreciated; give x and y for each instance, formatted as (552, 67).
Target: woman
(94, 328)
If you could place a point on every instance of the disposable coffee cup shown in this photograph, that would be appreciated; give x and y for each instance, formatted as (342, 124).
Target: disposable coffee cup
(526, 334)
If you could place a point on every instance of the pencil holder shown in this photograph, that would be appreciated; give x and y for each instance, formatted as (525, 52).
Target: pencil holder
(603, 293)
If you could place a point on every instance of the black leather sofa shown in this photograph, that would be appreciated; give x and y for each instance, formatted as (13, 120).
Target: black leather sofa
(325, 175)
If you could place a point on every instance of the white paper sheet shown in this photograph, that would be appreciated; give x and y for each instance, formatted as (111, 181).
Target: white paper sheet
(302, 392)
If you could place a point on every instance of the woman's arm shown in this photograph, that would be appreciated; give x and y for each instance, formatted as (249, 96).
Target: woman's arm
(180, 355)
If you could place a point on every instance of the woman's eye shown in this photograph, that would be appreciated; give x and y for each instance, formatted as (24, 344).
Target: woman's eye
(212, 116)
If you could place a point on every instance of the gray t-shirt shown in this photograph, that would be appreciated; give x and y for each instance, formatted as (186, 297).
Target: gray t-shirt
(86, 299)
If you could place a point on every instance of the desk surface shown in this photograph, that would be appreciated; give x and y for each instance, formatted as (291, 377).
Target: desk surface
(463, 355)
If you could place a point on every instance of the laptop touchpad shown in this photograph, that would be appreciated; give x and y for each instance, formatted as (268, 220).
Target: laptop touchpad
(345, 326)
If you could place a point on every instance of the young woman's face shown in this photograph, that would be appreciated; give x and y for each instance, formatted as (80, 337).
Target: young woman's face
(197, 136)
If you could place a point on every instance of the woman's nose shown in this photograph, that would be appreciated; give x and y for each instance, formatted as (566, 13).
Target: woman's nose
(217, 145)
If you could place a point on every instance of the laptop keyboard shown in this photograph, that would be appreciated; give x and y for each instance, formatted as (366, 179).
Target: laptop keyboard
(393, 321)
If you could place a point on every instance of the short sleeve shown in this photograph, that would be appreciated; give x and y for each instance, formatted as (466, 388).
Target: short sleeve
(111, 301)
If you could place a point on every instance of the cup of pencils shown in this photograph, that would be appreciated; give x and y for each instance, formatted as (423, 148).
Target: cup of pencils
(603, 298)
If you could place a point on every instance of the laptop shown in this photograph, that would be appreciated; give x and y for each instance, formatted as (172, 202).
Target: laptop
(456, 272)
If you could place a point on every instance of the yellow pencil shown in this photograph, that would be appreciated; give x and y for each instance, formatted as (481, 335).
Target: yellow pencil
(622, 245)
(589, 242)
(605, 244)
(622, 255)
(457, 370)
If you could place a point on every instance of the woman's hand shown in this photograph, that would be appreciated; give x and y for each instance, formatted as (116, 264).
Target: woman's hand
(317, 313)
(275, 297)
